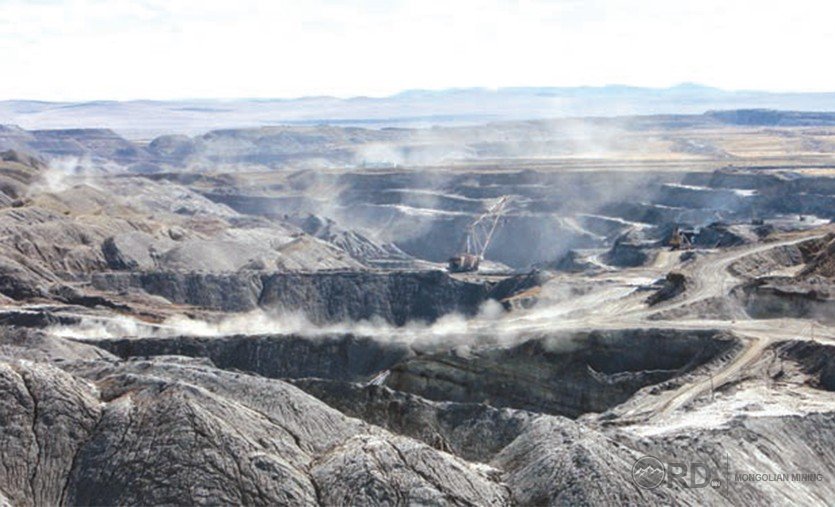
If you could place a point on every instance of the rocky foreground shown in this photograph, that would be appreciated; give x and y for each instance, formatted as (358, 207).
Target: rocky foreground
(297, 423)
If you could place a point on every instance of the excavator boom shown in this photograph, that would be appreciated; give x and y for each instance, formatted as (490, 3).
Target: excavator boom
(479, 234)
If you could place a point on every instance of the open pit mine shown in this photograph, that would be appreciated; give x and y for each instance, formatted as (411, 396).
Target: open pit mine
(605, 311)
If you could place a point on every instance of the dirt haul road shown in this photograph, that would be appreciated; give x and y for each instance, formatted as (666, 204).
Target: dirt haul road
(711, 278)
(619, 307)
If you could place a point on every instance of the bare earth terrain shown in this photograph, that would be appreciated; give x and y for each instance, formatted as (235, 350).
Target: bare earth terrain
(265, 316)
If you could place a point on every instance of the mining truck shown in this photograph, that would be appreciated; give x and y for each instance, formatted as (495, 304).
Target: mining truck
(477, 238)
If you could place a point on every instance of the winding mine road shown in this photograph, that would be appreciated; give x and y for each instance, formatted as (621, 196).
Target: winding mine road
(619, 307)
(711, 278)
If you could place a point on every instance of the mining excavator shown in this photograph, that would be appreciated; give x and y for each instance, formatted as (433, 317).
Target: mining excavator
(477, 239)
(681, 239)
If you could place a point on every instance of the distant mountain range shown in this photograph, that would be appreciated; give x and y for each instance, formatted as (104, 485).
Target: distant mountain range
(144, 119)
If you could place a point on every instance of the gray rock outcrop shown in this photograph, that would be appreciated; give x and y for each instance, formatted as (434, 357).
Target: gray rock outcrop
(85, 438)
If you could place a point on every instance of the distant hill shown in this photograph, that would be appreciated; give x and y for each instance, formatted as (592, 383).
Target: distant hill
(143, 119)
(773, 118)
(298, 146)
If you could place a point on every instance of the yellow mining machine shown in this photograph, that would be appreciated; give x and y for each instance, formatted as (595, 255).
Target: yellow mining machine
(477, 239)
(681, 240)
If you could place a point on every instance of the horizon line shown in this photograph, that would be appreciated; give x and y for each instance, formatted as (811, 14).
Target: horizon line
(682, 85)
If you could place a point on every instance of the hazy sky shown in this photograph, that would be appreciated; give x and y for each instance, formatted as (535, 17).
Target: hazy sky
(127, 49)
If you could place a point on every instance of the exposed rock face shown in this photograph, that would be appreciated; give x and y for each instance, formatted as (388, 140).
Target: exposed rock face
(816, 360)
(396, 297)
(130, 251)
(19, 283)
(169, 429)
(572, 262)
(785, 297)
(47, 417)
(255, 249)
(21, 341)
(557, 462)
(807, 294)
(323, 297)
(229, 292)
(566, 375)
(474, 431)
(717, 235)
(561, 374)
(561, 462)
(343, 357)
(762, 264)
(215, 437)
(821, 262)
(629, 250)
(409, 473)
(357, 245)
(61, 233)
(519, 284)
